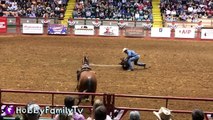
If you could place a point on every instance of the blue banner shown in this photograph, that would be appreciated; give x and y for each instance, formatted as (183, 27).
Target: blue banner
(57, 29)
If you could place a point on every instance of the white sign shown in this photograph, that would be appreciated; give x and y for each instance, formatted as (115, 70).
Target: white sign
(109, 30)
(160, 32)
(84, 30)
(185, 33)
(32, 28)
(207, 34)
(2, 25)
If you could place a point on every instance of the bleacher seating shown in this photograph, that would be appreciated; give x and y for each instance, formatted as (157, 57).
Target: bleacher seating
(33, 8)
(114, 10)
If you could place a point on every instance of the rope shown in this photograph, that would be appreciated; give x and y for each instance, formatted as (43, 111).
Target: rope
(101, 65)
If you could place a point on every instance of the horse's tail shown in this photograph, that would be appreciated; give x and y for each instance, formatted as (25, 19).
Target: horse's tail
(90, 85)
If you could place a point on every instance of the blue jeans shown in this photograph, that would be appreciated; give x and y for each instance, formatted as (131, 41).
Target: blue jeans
(135, 60)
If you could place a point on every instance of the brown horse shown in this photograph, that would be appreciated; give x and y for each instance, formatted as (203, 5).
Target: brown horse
(87, 81)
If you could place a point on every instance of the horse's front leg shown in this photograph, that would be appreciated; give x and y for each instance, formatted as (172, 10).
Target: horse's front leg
(77, 86)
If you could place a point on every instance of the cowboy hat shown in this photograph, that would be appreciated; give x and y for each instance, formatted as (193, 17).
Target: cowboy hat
(124, 49)
(163, 114)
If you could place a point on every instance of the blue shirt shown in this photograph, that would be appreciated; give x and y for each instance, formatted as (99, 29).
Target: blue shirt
(131, 53)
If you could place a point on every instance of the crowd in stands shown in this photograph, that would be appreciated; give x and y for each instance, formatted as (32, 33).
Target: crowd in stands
(141, 10)
(184, 10)
(114, 9)
(33, 8)
(99, 112)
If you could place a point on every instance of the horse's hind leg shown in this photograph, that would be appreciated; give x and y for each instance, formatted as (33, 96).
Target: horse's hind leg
(79, 100)
(92, 100)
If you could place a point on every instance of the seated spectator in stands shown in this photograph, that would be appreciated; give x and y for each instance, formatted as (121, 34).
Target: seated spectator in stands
(183, 17)
(119, 15)
(137, 16)
(115, 14)
(75, 13)
(69, 102)
(195, 18)
(190, 10)
(1, 11)
(32, 116)
(197, 114)
(168, 12)
(101, 15)
(146, 15)
(88, 13)
(173, 13)
(128, 15)
(32, 15)
(96, 104)
(163, 114)
(100, 113)
(134, 115)
(204, 16)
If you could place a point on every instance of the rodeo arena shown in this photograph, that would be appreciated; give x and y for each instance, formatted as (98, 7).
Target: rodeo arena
(106, 59)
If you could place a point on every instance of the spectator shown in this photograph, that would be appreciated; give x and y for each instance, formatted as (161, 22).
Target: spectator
(113, 9)
(209, 116)
(163, 114)
(134, 115)
(32, 116)
(197, 114)
(96, 104)
(137, 16)
(69, 102)
(100, 113)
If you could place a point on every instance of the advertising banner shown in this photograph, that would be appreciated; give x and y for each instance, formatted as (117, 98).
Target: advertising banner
(3, 24)
(32, 28)
(84, 30)
(207, 34)
(109, 31)
(58, 29)
(134, 32)
(160, 32)
(184, 33)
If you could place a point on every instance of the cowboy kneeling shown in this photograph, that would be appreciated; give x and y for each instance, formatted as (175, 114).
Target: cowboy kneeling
(132, 56)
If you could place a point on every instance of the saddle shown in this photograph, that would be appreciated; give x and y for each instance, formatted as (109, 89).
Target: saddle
(83, 68)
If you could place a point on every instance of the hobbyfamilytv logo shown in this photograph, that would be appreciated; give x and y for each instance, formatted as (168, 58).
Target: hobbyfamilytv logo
(9, 110)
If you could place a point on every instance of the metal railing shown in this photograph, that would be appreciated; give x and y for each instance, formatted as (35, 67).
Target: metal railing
(111, 100)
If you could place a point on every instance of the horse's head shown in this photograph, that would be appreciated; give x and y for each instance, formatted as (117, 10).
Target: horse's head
(85, 63)
(85, 60)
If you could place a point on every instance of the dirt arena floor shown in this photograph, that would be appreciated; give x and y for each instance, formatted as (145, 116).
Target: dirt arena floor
(178, 68)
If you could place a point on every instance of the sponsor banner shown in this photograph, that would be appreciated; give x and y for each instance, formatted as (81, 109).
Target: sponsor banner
(84, 30)
(32, 28)
(57, 29)
(134, 32)
(3, 24)
(109, 31)
(160, 32)
(207, 34)
(184, 33)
